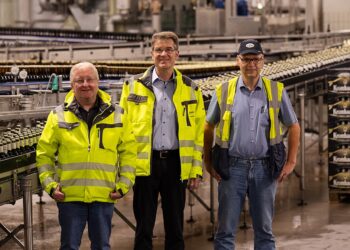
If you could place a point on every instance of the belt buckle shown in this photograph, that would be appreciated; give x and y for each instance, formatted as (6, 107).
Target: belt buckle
(163, 154)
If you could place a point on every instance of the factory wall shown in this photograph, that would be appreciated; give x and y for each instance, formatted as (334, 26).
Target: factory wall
(336, 15)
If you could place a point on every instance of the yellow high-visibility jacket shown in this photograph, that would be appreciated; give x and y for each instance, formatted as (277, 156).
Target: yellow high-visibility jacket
(90, 164)
(138, 100)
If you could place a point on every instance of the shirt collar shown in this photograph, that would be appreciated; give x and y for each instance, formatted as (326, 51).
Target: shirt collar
(80, 108)
(155, 77)
(240, 83)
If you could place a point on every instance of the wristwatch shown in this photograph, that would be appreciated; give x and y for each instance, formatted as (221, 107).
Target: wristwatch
(51, 192)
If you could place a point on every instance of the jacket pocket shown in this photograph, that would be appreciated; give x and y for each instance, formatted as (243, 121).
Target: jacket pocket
(189, 110)
(108, 135)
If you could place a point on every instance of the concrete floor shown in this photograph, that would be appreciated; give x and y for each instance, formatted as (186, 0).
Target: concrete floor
(320, 224)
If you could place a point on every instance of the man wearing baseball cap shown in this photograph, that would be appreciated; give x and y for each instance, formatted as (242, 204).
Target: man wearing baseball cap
(249, 157)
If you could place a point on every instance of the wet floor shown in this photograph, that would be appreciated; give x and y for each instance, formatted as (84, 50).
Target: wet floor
(318, 224)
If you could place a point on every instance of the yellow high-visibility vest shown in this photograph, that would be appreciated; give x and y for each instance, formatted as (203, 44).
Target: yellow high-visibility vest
(225, 93)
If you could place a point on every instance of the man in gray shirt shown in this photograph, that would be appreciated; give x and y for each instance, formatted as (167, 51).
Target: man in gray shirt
(246, 112)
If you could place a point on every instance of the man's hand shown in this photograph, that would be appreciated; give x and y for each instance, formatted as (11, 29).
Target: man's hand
(293, 143)
(115, 195)
(208, 143)
(193, 183)
(287, 169)
(57, 194)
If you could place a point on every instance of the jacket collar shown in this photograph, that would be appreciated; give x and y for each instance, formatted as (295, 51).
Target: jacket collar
(146, 78)
(72, 105)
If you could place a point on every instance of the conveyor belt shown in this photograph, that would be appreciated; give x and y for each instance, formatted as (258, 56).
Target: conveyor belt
(291, 71)
(73, 35)
(12, 170)
(112, 69)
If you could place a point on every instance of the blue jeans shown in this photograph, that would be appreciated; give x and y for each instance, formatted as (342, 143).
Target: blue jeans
(254, 179)
(73, 216)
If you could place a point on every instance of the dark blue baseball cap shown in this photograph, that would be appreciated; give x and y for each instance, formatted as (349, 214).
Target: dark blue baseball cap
(250, 46)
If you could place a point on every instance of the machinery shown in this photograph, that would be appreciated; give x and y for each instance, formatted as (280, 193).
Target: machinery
(30, 89)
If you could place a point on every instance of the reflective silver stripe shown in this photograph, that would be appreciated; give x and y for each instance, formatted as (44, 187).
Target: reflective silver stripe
(224, 92)
(45, 168)
(47, 181)
(229, 107)
(186, 159)
(193, 93)
(127, 169)
(275, 140)
(143, 139)
(117, 115)
(131, 86)
(125, 180)
(118, 109)
(275, 104)
(87, 166)
(142, 155)
(88, 182)
(196, 163)
(220, 142)
(198, 148)
(186, 143)
(60, 113)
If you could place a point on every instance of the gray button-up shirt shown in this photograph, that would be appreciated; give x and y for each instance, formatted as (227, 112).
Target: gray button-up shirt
(165, 125)
(249, 129)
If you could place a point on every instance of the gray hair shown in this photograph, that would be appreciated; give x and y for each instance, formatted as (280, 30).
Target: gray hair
(82, 65)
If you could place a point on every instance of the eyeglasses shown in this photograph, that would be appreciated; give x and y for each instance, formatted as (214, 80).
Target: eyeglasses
(88, 80)
(166, 50)
(249, 60)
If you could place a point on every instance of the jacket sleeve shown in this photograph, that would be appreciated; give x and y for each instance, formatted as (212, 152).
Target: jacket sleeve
(45, 154)
(126, 157)
(197, 169)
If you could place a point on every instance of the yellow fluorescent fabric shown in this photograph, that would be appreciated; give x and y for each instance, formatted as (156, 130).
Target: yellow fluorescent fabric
(138, 100)
(90, 164)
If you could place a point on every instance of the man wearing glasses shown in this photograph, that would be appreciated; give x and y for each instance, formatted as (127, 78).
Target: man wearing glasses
(91, 139)
(167, 112)
(247, 112)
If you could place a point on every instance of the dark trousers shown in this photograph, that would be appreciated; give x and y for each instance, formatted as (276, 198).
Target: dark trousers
(73, 217)
(164, 179)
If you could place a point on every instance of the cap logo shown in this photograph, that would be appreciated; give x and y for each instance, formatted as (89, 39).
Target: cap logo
(250, 45)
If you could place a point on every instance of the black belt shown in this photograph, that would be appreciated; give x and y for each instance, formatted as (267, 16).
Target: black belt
(164, 154)
(262, 160)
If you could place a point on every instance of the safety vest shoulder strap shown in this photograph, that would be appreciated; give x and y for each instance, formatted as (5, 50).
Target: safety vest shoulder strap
(274, 95)
(225, 94)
